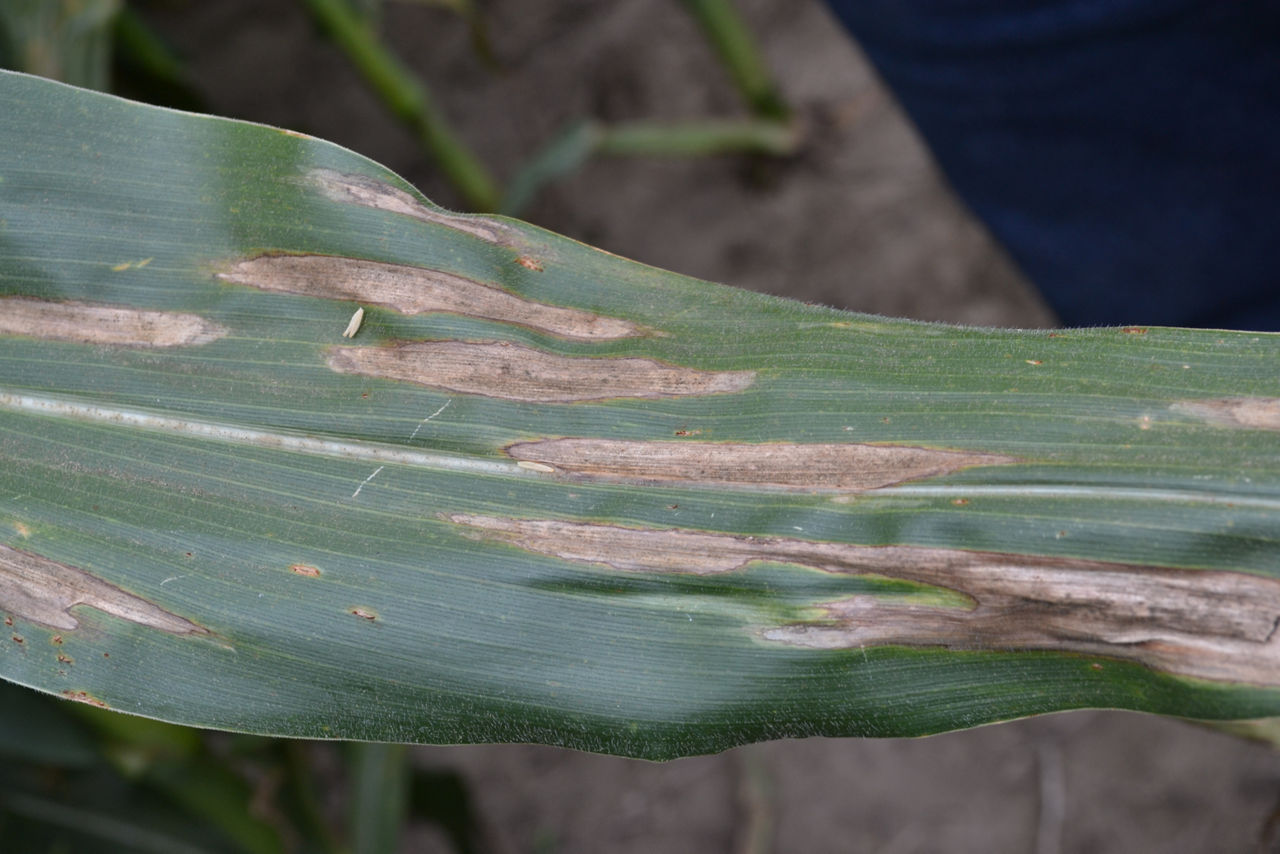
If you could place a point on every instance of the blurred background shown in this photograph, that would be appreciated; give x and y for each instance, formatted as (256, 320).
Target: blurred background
(742, 141)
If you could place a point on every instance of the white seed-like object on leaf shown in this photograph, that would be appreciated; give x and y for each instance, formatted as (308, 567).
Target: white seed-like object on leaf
(353, 325)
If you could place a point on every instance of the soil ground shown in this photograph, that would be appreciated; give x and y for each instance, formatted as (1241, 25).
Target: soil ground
(860, 219)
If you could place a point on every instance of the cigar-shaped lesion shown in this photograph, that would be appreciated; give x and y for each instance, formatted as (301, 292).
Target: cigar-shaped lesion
(1207, 624)
(44, 591)
(507, 371)
(104, 325)
(1250, 413)
(792, 466)
(371, 193)
(412, 290)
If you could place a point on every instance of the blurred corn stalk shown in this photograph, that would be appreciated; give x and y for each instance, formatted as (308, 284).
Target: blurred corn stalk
(73, 41)
(67, 40)
(81, 778)
(769, 131)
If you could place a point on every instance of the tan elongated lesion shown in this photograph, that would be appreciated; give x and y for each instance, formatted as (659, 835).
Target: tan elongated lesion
(1207, 624)
(1252, 413)
(104, 324)
(848, 467)
(514, 372)
(44, 591)
(418, 290)
(372, 193)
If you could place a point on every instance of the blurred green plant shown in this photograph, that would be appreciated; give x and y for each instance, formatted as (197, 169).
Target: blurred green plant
(733, 42)
(408, 99)
(67, 40)
(767, 132)
(467, 10)
(79, 41)
(80, 778)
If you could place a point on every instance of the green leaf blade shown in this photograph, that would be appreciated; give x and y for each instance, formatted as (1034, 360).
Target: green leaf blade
(673, 518)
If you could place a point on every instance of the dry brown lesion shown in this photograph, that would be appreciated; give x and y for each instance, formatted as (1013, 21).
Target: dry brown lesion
(44, 591)
(1206, 624)
(85, 697)
(112, 325)
(1253, 413)
(418, 290)
(844, 467)
(508, 371)
(1212, 625)
(371, 193)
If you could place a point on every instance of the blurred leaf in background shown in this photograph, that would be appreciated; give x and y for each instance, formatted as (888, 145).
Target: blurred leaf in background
(80, 778)
(74, 41)
(67, 40)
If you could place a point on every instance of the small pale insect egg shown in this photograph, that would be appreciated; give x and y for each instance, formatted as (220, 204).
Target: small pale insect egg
(353, 325)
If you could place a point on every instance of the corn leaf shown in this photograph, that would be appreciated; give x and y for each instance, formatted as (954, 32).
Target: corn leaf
(285, 448)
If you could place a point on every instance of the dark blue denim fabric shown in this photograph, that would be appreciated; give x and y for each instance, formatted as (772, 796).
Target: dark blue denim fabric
(1126, 152)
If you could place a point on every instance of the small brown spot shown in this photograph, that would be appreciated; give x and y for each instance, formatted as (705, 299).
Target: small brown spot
(107, 325)
(417, 290)
(688, 432)
(85, 697)
(1055, 335)
(8, 621)
(63, 658)
(817, 467)
(514, 372)
(372, 193)
(18, 639)
(1201, 623)
(959, 502)
(304, 569)
(56, 639)
(1096, 666)
(1255, 413)
(363, 613)
(22, 530)
(1033, 362)
(673, 506)
(1134, 330)
(44, 591)
(529, 264)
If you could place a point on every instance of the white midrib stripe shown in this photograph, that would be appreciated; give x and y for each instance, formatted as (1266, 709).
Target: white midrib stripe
(383, 454)
(1100, 492)
(261, 438)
